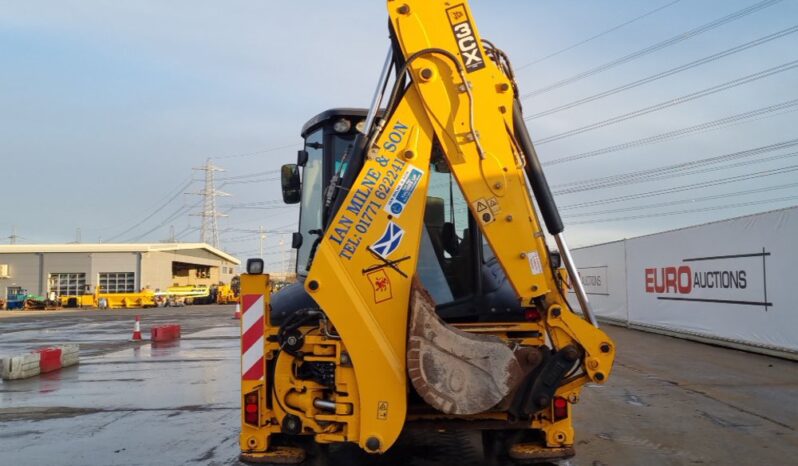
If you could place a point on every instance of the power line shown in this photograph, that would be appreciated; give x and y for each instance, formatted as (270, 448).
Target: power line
(687, 187)
(596, 36)
(185, 231)
(192, 230)
(664, 74)
(655, 47)
(256, 203)
(256, 153)
(246, 221)
(788, 105)
(682, 201)
(694, 171)
(253, 251)
(672, 102)
(277, 207)
(680, 169)
(275, 230)
(174, 215)
(259, 180)
(688, 211)
(679, 166)
(154, 212)
(249, 175)
(242, 237)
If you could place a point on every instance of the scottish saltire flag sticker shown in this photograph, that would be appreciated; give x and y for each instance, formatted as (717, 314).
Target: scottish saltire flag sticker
(389, 241)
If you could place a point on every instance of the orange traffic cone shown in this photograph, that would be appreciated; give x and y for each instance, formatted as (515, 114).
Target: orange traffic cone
(237, 314)
(137, 330)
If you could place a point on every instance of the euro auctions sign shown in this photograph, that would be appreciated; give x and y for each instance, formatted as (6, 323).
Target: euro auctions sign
(731, 281)
(734, 279)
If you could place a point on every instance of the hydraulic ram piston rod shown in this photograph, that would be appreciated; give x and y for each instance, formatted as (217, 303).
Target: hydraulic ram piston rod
(576, 282)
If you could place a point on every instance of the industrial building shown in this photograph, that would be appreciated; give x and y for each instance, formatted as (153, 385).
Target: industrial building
(73, 269)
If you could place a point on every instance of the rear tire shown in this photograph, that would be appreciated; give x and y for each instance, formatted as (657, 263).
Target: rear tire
(494, 448)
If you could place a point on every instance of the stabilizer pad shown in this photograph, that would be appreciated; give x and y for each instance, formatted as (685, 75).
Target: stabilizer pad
(275, 455)
(531, 453)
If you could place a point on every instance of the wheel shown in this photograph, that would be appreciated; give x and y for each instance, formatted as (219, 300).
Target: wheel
(494, 448)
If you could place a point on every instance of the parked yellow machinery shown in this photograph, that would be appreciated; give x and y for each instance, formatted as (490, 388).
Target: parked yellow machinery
(85, 300)
(99, 299)
(427, 294)
(225, 294)
(186, 291)
(201, 294)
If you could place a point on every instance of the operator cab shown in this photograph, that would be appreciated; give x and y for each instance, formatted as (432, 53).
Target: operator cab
(456, 265)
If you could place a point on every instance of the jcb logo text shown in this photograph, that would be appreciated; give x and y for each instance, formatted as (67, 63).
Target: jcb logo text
(466, 41)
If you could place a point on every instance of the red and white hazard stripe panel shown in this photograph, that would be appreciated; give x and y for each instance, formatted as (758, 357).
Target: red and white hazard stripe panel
(252, 337)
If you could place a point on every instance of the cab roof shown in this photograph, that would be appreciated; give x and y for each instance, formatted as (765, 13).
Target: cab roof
(330, 114)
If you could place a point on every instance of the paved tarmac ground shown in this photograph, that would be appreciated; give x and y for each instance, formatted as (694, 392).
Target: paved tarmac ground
(668, 402)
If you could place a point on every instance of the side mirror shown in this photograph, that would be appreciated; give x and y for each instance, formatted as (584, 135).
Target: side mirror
(289, 176)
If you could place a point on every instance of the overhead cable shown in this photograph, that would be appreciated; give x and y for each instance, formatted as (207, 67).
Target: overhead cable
(593, 213)
(596, 36)
(171, 217)
(687, 187)
(655, 47)
(256, 153)
(687, 211)
(672, 102)
(154, 212)
(680, 169)
(666, 73)
(770, 110)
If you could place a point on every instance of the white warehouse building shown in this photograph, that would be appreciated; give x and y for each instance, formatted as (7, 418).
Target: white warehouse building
(72, 269)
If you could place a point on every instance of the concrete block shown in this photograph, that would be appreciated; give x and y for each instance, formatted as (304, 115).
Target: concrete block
(20, 367)
(70, 361)
(69, 355)
(71, 348)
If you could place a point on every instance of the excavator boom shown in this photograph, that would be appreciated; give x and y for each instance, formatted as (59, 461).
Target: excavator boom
(377, 319)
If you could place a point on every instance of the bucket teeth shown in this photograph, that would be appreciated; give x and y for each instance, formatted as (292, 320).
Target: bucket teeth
(456, 372)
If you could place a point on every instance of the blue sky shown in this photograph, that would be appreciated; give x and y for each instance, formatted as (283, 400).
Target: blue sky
(105, 106)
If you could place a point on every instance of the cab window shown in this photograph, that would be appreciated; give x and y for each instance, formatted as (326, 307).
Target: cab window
(447, 237)
(310, 202)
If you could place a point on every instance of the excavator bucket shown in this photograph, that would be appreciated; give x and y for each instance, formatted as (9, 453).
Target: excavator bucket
(456, 372)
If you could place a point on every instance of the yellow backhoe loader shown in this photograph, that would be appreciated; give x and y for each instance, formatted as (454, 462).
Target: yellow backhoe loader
(427, 294)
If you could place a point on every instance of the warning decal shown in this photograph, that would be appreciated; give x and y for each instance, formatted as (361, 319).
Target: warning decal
(493, 203)
(483, 210)
(534, 263)
(382, 410)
